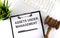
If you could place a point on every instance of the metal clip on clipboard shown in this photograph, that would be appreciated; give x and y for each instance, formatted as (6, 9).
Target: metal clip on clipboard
(26, 16)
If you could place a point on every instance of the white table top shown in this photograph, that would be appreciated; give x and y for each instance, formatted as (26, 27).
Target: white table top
(19, 7)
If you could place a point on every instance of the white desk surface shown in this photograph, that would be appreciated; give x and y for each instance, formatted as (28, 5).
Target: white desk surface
(19, 7)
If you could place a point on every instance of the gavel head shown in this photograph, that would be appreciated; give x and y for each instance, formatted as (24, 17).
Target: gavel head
(52, 22)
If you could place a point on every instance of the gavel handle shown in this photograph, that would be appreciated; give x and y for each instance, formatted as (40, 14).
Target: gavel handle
(48, 31)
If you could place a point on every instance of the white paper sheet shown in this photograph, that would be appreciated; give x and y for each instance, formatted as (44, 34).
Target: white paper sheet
(27, 26)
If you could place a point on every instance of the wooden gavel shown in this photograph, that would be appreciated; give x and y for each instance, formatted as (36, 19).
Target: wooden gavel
(52, 23)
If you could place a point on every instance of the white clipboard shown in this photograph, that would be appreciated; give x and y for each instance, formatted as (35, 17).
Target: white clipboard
(27, 25)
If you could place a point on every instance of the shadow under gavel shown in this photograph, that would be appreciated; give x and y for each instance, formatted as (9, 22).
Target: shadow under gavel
(52, 23)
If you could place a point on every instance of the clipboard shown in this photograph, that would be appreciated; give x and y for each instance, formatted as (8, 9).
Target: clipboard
(26, 25)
